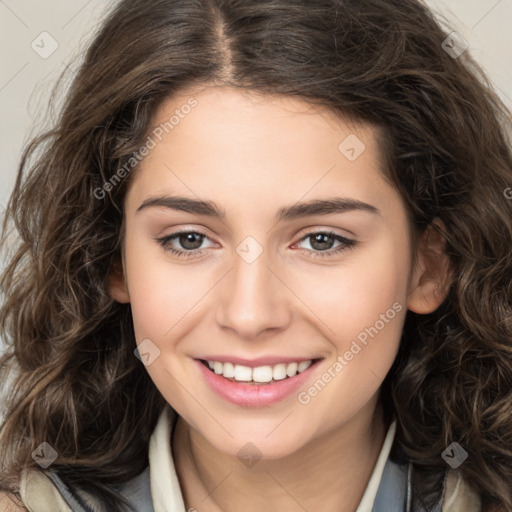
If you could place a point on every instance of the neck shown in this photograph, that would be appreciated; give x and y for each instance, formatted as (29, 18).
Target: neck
(329, 473)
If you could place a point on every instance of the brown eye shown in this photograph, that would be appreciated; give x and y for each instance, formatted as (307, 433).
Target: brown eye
(188, 243)
(322, 242)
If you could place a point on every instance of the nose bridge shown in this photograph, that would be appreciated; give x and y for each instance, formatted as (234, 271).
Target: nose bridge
(253, 300)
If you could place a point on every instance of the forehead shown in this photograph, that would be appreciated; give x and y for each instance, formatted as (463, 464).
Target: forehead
(239, 144)
(270, 119)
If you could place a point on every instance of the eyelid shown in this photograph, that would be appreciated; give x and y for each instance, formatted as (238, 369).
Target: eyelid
(324, 229)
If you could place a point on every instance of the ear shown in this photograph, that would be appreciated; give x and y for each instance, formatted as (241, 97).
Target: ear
(432, 275)
(117, 284)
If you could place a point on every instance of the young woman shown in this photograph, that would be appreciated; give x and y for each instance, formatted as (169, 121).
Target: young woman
(263, 262)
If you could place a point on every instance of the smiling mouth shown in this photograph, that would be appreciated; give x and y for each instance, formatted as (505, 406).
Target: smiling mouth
(260, 375)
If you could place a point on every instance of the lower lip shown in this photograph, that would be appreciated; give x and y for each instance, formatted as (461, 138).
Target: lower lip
(254, 395)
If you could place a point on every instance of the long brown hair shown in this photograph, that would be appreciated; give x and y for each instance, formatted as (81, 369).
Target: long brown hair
(73, 379)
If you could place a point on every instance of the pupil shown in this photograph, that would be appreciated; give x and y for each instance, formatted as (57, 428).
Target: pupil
(189, 238)
(321, 238)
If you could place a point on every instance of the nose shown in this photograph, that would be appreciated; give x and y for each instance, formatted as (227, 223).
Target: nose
(254, 298)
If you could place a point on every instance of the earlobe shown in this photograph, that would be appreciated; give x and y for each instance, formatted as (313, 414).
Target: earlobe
(432, 275)
(117, 286)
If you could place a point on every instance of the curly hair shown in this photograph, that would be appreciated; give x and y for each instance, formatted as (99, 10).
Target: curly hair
(74, 381)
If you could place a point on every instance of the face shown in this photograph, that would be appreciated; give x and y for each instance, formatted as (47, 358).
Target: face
(327, 284)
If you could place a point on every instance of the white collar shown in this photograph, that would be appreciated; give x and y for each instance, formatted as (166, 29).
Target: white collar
(165, 488)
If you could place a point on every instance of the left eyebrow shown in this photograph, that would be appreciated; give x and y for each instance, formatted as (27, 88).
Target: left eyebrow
(325, 207)
(299, 210)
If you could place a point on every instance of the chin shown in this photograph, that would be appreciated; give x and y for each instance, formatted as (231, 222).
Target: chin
(261, 447)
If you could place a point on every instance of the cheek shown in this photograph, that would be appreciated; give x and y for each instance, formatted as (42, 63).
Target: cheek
(166, 296)
(155, 290)
(373, 287)
(354, 294)
(362, 308)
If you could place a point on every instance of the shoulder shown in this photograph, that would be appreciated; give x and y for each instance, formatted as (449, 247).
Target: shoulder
(39, 493)
(459, 496)
(46, 492)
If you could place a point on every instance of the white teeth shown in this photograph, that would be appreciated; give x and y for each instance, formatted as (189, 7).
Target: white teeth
(229, 370)
(243, 373)
(304, 365)
(291, 369)
(262, 374)
(259, 374)
(279, 372)
(217, 367)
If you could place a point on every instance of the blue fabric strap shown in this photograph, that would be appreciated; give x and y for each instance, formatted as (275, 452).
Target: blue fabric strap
(392, 493)
(395, 492)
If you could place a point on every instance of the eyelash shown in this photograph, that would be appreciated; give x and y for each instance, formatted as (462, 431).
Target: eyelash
(346, 243)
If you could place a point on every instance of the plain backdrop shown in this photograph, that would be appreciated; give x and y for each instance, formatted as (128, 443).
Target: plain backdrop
(38, 39)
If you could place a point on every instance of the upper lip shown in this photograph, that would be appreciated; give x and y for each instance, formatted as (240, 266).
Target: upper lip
(260, 361)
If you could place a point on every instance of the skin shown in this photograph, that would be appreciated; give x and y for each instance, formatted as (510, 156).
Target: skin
(252, 154)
